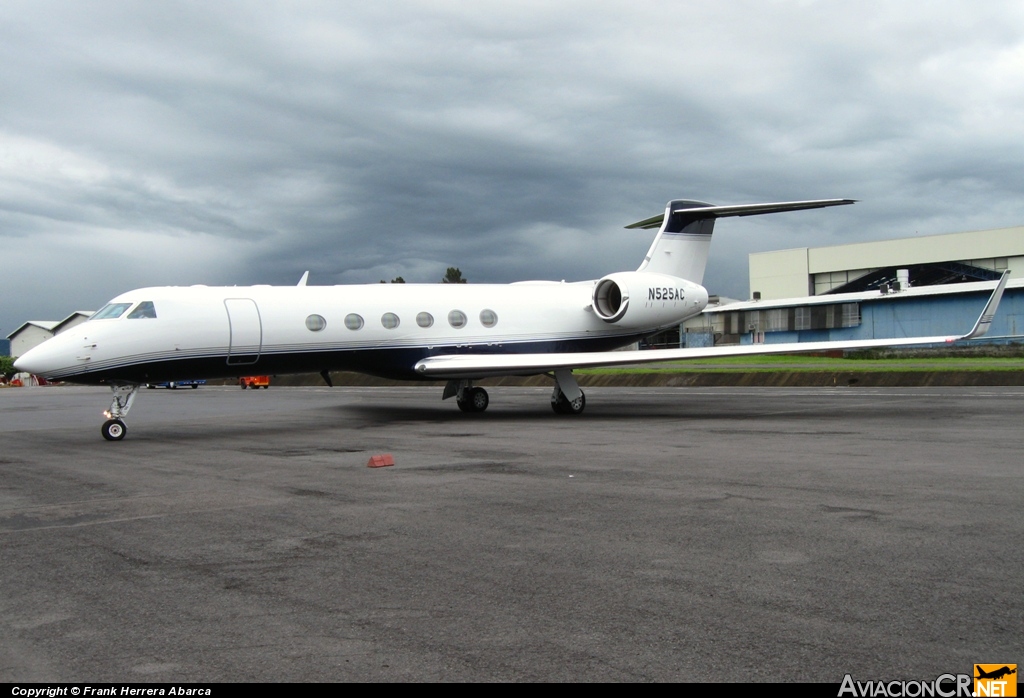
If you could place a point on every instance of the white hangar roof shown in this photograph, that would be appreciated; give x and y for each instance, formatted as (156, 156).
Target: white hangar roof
(814, 270)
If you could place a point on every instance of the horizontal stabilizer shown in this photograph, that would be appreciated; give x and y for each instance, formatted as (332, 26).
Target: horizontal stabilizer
(701, 212)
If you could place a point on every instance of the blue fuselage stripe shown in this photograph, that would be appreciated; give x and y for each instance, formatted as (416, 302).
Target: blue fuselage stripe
(390, 362)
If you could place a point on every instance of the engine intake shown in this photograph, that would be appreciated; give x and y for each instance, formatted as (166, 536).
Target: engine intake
(641, 299)
(609, 302)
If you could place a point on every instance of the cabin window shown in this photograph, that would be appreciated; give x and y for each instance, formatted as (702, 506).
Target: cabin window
(488, 318)
(145, 309)
(110, 311)
(424, 319)
(457, 319)
(353, 321)
(315, 323)
(389, 320)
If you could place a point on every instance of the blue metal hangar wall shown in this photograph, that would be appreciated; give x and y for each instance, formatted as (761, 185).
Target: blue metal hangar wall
(926, 285)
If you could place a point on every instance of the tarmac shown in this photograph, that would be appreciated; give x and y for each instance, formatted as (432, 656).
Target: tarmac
(667, 534)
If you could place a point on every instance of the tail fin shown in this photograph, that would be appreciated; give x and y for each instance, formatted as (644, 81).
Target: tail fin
(684, 237)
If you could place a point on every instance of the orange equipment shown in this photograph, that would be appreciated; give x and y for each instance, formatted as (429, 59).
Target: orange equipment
(254, 382)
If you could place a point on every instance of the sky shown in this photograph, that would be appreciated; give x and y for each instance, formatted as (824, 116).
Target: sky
(236, 143)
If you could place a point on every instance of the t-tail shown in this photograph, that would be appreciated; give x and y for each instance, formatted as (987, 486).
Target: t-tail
(684, 238)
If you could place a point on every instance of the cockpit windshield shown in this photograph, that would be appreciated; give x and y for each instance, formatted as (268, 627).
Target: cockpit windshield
(145, 309)
(110, 311)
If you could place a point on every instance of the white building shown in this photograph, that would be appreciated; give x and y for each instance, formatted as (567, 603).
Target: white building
(861, 266)
(924, 285)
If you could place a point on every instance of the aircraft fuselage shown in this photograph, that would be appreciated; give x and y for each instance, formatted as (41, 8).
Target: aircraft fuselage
(380, 329)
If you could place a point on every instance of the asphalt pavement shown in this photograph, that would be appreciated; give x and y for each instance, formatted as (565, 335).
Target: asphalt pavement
(694, 534)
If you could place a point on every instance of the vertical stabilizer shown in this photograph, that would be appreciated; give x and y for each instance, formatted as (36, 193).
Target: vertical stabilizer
(684, 237)
(682, 245)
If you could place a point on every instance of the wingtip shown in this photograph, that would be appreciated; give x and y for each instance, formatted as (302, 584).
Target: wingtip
(988, 313)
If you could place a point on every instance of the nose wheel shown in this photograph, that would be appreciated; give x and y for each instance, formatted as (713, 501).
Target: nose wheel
(113, 430)
(124, 394)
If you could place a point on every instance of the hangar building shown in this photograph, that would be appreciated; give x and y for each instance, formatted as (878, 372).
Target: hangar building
(930, 260)
(920, 286)
(35, 332)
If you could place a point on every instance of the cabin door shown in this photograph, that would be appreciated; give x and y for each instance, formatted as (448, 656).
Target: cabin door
(246, 331)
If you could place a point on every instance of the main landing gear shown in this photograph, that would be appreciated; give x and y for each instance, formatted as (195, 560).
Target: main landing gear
(563, 405)
(473, 400)
(567, 398)
(468, 398)
(114, 428)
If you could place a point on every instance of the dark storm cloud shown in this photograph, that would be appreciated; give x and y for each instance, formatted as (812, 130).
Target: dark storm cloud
(178, 143)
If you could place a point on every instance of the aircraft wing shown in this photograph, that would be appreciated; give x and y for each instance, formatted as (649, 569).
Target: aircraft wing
(481, 366)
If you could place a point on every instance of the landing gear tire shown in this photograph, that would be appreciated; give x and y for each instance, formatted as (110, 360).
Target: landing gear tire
(565, 406)
(476, 400)
(480, 399)
(123, 396)
(113, 430)
(244, 386)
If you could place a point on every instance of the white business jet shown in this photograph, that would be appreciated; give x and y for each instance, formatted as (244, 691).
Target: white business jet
(452, 332)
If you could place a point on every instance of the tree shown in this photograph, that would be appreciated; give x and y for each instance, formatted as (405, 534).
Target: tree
(7, 366)
(396, 280)
(453, 276)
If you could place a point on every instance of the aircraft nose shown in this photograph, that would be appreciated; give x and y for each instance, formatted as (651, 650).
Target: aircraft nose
(49, 356)
(30, 362)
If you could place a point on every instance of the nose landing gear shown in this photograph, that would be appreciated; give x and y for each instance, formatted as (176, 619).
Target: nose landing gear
(114, 429)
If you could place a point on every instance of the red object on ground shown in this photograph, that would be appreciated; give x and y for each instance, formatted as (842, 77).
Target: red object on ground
(254, 382)
(381, 460)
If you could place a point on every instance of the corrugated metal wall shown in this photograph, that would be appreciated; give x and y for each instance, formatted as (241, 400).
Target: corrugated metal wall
(893, 316)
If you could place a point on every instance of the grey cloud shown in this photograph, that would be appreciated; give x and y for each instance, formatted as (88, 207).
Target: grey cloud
(514, 142)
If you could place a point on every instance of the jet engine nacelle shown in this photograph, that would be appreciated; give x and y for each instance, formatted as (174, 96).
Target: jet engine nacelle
(637, 299)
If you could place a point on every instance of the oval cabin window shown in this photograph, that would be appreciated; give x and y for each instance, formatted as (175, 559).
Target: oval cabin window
(488, 318)
(424, 319)
(353, 321)
(457, 319)
(315, 323)
(389, 320)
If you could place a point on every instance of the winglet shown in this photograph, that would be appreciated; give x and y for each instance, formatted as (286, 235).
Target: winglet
(989, 311)
(305, 277)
